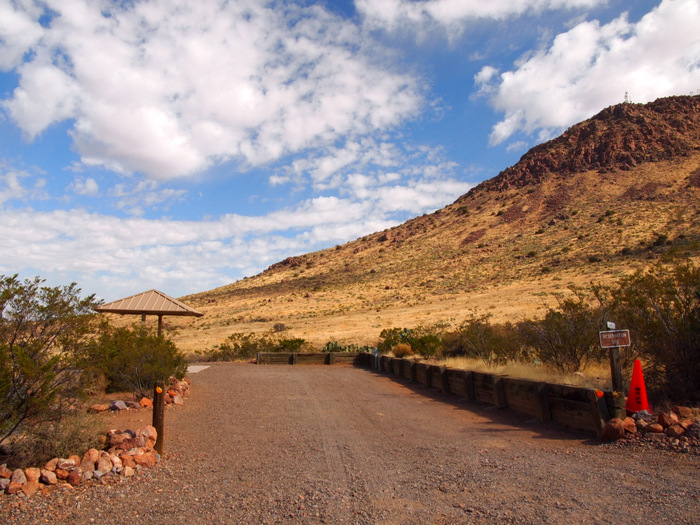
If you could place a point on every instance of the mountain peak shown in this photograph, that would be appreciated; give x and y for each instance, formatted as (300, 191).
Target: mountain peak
(620, 137)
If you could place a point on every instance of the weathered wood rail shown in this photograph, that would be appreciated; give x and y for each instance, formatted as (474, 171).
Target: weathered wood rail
(324, 358)
(575, 407)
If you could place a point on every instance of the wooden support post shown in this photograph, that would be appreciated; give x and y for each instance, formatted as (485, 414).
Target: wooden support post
(160, 325)
(616, 369)
(499, 392)
(544, 413)
(159, 415)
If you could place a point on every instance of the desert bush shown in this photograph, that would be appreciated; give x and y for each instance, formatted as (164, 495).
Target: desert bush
(134, 359)
(478, 338)
(335, 346)
(423, 340)
(661, 307)
(567, 337)
(42, 331)
(402, 350)
(239, 346)
(73, 433)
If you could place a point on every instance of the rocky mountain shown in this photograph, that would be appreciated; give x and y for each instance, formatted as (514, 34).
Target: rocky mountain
(616, 192)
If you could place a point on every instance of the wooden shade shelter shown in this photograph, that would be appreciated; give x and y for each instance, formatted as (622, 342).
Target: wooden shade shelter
(151, 302)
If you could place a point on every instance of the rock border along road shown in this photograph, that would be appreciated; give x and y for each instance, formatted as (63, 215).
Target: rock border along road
(336, 444)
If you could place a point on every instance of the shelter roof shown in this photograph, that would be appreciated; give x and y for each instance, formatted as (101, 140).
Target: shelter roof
(151, 302)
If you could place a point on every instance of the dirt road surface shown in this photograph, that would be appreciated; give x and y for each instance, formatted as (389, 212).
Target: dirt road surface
(340, 445)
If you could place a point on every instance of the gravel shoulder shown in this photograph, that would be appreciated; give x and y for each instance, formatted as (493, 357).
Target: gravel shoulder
(336, 444)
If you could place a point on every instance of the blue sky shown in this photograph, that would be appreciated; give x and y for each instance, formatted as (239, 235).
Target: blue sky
(184, 145)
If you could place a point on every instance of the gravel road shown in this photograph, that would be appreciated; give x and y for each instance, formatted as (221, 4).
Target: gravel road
(336, 444)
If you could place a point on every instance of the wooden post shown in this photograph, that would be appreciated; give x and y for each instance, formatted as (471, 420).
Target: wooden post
(159, 415)
(616, 369)
(160, 325)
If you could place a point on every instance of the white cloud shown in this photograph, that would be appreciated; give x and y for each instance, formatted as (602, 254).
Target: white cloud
(592, 66)
(129, 255)
(172, 87)
(85, 186)
(144, 195)
(452, 15)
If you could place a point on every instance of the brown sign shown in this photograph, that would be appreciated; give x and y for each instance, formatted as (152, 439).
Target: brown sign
(614, 338)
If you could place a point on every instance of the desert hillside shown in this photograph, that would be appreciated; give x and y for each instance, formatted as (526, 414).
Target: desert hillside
(614, 193)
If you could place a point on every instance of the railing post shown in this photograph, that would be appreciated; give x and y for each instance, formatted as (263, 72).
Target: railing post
(159, 415)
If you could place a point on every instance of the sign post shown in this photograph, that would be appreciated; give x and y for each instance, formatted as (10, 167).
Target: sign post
(159, 415)
(614, 339)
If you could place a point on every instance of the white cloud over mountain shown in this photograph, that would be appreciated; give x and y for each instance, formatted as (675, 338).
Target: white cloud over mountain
(594, 65)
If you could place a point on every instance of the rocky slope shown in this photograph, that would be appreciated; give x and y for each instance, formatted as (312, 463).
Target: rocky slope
(616, 192)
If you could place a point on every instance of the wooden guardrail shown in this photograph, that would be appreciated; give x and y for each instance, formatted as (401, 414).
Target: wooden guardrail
(324, 358)
(576, 407)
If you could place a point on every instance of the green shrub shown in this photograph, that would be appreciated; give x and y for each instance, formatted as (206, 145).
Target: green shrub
(424, 340)
(478, 338)
(240, 346)
(42, 332)
(567, 337)
(134, 359)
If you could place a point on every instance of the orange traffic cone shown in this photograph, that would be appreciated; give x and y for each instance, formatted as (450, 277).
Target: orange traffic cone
(637, 399)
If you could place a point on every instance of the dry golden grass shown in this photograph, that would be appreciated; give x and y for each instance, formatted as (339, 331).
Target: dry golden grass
(596, 375)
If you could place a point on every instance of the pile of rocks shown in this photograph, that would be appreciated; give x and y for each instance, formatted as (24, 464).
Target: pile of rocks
(175, 393)
(127, 452)
(677, 429)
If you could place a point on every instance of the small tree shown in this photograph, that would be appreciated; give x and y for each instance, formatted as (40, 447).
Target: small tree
(42, 330)
(567, 337)
(477, 337)
(134, 359)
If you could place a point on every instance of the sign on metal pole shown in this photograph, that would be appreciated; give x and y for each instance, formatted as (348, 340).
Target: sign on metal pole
(615, 338)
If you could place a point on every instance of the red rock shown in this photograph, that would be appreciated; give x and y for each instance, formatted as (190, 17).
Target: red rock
(654, 428)
(61, 474)
(683, 412)
(51, 464)
(32, 474)
(30, 488)
(146, 460)
(613, 430)
(91, 456)
(630, 425)
(117, 438)
(75, 476)
(4, 483)
(117, 464)
(5, 472)
(18, 476)
(167, 399)
(76, 459)
(99, 407)
(187, 380)
(104, 466)
(66, 464)
(685, 423)
(675, 431)
(127, 472)
(13, 488)
(127, 461)
(177, 400)
(666, 419)
(48, 477)
(146, 403)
